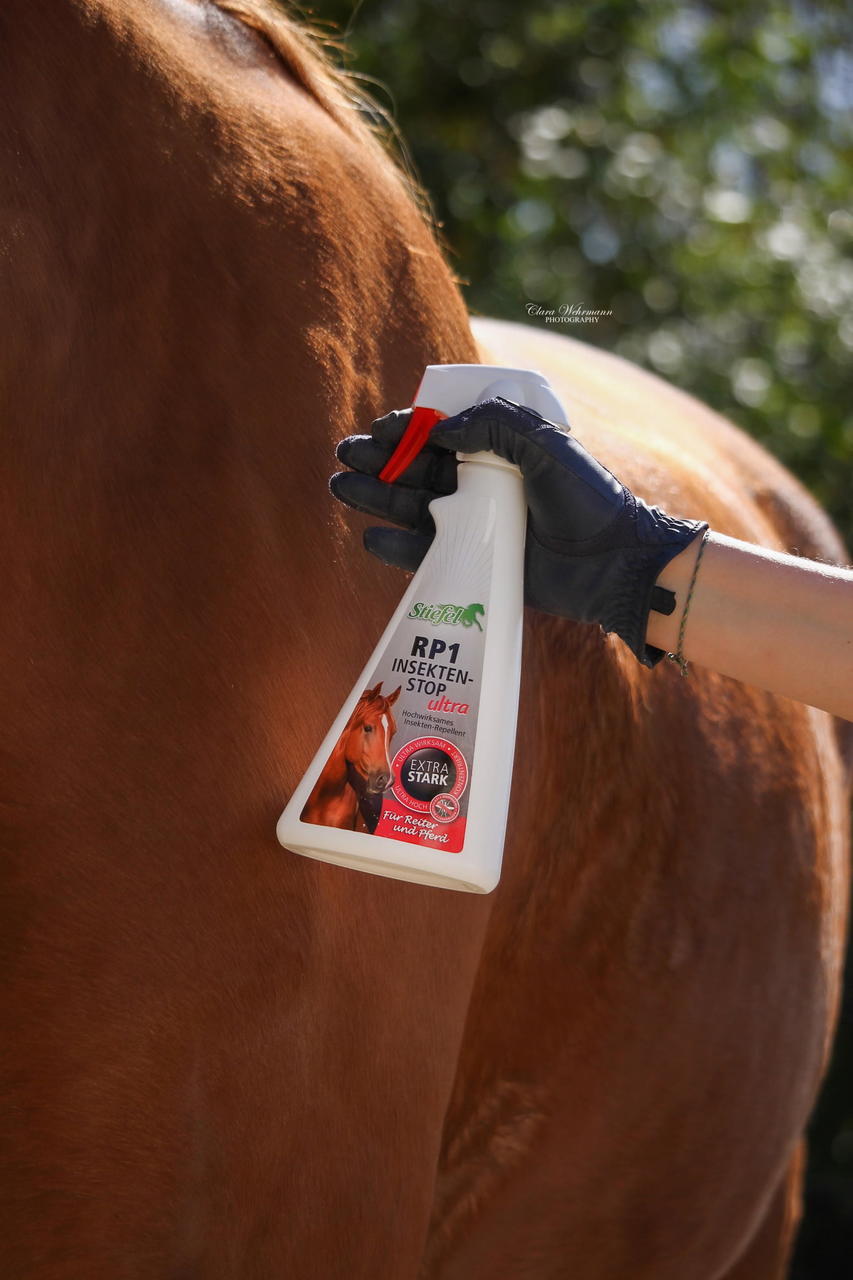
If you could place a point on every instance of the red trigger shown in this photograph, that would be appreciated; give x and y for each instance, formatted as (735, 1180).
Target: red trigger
(414, 438)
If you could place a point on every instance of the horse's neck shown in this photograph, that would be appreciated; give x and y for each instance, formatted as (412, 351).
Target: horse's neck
(203, 312)
(302, 297)
(336, 775)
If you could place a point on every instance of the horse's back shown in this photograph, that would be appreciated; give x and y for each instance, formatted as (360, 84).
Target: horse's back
(664, 440)
(674, 450)
(659, 982)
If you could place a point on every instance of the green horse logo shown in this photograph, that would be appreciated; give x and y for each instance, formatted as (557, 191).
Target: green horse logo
(470, 617)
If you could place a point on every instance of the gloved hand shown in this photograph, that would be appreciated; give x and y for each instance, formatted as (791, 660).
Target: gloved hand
(593, 549)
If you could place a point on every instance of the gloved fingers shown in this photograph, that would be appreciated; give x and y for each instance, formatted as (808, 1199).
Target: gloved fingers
(571, 495)
(408, 507)
(513, 431)
(388, 430)
(385, 433)
(433, 468)
(393, 546)
(362, 453)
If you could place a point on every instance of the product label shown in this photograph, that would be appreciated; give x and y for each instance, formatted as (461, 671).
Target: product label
(402, 766)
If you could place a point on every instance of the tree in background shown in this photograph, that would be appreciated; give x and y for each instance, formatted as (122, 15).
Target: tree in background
(684, 168)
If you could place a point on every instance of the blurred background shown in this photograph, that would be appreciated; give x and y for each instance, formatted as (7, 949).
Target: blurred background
(685, 170)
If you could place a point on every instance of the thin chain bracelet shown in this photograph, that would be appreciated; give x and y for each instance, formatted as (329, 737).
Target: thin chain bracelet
(679, 656)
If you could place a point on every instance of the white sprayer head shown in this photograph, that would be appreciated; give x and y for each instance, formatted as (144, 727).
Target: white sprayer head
(447, 389)
(450, 388)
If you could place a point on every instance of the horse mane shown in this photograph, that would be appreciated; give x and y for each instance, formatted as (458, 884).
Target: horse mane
(358, 711)
(306, 52)
(360, 708)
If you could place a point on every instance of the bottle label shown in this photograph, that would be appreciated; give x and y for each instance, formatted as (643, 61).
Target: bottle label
(402, 766)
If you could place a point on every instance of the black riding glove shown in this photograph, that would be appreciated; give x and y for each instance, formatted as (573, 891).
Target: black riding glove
(593, 550)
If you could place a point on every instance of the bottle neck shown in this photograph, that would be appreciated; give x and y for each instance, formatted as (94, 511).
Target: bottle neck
(489, 476)
(487, 459)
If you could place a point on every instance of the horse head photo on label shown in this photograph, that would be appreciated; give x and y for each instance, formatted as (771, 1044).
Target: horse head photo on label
(358, 771)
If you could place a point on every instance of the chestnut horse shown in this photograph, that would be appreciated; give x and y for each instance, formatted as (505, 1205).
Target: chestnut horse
(225, 1062)
(359, 768)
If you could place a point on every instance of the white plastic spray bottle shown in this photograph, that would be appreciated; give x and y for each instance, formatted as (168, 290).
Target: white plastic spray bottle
(413, 779)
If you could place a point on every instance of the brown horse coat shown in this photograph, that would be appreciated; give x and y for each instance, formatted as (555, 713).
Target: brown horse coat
(222, 1061)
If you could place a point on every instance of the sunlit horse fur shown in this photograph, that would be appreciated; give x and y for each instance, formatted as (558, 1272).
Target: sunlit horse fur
(225, 1062)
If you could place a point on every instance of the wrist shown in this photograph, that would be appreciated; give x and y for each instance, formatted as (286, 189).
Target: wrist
(663, 630)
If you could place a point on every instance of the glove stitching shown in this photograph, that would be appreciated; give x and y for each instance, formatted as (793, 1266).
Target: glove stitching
(496, 421)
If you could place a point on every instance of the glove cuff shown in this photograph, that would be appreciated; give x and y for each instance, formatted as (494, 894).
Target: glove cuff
(660, 538)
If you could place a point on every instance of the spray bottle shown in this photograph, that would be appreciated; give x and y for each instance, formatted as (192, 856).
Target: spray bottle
(413, 778)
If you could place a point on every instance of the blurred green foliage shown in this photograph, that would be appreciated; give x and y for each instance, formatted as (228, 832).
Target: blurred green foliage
(687, 168)
(684, 166)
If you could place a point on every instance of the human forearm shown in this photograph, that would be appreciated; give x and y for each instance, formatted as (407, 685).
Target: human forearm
(771, 620)
(594, 551)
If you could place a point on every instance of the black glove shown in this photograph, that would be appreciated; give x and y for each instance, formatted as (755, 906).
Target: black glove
(593, 551)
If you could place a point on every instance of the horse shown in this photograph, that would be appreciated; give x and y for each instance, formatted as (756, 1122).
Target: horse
(359, 769)
(226, 1062)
